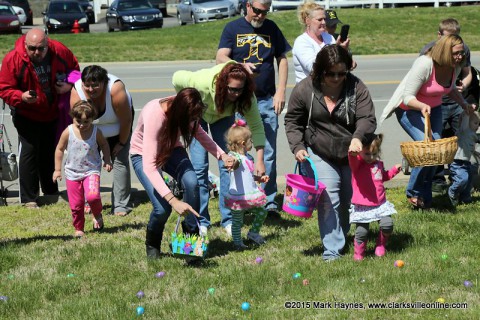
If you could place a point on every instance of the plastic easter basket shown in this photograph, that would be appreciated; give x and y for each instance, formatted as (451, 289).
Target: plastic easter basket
(188, 246)
(302, 193)
(429, 152)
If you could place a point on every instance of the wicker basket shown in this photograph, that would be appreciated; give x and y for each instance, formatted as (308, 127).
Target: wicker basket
(429, 152)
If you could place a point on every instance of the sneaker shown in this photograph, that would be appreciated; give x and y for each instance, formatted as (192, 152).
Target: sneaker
(228, 230)
(255, 237)
(273, 213)
(453, 200)
(31, 205)
(203, 231)
(78, 234)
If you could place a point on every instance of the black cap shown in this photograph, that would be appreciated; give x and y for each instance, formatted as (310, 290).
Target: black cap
(331, 18)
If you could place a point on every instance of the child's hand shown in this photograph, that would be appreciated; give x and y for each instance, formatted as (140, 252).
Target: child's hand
(107, 166)
(57, 175)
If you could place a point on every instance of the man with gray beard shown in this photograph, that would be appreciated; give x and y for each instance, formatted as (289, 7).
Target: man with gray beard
(256, 42)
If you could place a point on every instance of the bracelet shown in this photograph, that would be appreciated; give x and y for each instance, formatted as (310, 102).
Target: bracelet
(170, 199)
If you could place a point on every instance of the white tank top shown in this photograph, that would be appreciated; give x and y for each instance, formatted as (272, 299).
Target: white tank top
(83, 156)
(108, 122)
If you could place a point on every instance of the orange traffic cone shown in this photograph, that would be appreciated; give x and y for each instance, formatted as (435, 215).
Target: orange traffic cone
(76, 27)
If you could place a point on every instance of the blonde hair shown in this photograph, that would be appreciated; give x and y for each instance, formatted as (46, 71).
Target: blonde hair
(306, 10)
(441, 52)
(451, 25)
(375, 144)
(236, 136)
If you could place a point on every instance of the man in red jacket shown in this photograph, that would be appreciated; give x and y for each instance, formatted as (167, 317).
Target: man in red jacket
(31, 80)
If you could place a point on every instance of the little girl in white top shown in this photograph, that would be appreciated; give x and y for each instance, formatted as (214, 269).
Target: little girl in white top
(83, 165)
(244, 194)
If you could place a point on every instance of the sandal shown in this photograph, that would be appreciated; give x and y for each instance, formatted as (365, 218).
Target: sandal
(416, 202)
(98, 223)
(79, 234)
(31, 205)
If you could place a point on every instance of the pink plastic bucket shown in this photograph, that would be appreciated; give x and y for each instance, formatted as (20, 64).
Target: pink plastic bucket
(302, 193)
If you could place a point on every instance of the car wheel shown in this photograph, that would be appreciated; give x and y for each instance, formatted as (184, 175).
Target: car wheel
(194, 21)
(180, 22)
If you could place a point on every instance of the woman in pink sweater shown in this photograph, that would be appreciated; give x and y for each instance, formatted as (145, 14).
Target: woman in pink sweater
(368, 200)
(155, 147)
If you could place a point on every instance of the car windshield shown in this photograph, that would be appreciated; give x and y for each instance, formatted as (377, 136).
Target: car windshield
(65, 7)
(134, 5)
(6, 10)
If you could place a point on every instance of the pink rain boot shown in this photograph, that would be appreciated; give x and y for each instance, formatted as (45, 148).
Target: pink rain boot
(359, 250)
(381, 243)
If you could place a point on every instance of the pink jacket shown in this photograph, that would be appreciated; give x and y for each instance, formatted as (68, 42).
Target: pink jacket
(367, 181)
(145, 142)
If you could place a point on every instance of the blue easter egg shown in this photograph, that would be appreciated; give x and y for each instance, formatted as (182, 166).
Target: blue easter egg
(140, 310)
(245, 306)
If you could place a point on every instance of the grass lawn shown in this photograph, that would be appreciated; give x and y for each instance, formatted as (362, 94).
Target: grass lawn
(47, 274)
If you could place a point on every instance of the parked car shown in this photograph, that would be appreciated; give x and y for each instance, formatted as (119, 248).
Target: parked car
(196, 11)
(20, 14)
(87, 6)
(60, 16)
(160, 4)
(133, 14)
(9, 22)
(26, 7)
(285, 5)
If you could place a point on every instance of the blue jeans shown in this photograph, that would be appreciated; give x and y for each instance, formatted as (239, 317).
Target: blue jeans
(413, 122)
(461, 180)
(180, 168)
(333, 215)
(270, 125)
(199, 158)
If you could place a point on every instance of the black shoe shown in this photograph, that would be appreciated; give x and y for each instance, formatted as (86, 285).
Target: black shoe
(152, 252)
(273, 213)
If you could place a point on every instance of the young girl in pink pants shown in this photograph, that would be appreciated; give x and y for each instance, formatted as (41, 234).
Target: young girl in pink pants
(83, 165)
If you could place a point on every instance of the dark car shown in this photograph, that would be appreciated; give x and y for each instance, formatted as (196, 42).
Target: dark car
(26, 7)
(133, 14)
(61, 15)
(87, 6)
(160, 4)
(9, 22)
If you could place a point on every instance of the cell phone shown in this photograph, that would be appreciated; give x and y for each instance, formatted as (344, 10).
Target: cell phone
(344, 32)
(33, 93)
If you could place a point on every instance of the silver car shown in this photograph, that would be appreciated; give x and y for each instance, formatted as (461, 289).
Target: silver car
(196, 11)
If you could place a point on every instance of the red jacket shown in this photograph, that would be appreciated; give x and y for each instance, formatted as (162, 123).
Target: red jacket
(17, 75)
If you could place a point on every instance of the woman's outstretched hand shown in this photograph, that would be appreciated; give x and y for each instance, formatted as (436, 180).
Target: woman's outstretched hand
(182, 208)
(229, 162)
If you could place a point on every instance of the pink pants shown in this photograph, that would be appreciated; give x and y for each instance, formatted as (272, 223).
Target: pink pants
(78, 191)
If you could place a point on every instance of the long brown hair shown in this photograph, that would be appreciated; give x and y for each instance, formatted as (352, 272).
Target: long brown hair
(238, 72)
(186, 107)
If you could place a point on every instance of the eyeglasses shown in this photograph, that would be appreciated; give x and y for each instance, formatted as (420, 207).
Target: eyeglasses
(39, 48)
(235, 90)
(335, 74)
(258, 11)
(92, 86)
(458, 53)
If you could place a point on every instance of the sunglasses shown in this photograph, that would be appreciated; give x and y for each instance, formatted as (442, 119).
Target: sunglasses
(235, 90)
(258, 11)
(335, 74)
(39, 48)
(458, 53)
